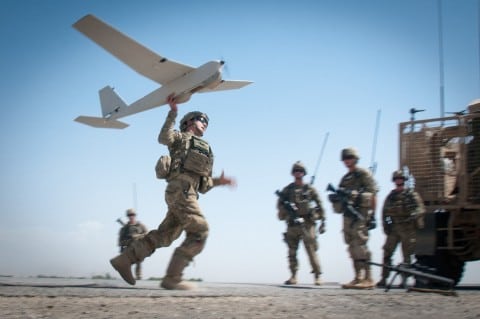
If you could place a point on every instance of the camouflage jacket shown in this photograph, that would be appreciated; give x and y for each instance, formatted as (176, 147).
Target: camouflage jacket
(177, 143)
(302, 196)
(402, 206)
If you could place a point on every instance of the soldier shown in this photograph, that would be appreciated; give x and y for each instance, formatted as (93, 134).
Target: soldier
(301, 226)
(402, 214)
(359, 183)
(132, 230)
(190, 173)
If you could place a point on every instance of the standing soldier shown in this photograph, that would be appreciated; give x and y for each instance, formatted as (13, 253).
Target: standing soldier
(402, 214)
(131, 231)
(300, 218)
(362, 190)
(190, 172)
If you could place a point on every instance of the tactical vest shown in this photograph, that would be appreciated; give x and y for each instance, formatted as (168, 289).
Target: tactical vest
(400, 204)
(192, 155)
(301, 196)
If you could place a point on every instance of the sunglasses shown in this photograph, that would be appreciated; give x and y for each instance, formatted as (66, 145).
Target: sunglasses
(298, 171)
(201, 119)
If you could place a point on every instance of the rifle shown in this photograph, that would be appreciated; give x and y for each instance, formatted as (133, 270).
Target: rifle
(417, 271)
(292, 209)
(120, 221)
(343, 196)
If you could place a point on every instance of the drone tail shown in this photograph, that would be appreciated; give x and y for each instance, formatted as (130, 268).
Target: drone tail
(111, 102)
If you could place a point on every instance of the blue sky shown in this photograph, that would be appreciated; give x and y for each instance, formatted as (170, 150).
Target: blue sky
(318, 67)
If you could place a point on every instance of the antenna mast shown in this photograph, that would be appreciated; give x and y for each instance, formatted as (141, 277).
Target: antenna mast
(373, 165)
(319, 158)
(440, 55)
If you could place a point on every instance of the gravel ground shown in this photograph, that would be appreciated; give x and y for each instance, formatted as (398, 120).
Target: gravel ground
(60, 298)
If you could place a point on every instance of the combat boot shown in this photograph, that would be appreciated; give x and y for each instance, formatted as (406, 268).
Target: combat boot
(352, 284)
(173, 279)
(317, 281)
(134, 253)
(291, 281)
(123, 265)
(382, 283)
(367, 282)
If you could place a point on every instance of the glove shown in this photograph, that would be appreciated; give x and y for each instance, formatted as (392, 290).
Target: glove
(298, 220)
(372, 223)
(420, 222)
(322, 229)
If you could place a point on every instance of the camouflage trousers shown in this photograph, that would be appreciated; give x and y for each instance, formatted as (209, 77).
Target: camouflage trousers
(403, 233)
(183, 214)
(293, 236)
(355, 233)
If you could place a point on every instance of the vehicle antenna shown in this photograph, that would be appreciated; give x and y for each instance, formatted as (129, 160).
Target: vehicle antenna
(319, 158)
(440, 58)
(373, 165)
(134, 194)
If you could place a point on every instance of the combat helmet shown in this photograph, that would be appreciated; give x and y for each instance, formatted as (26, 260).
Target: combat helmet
(130, 211)
(399, 174)
(190, 116)
(299, 166)
(348, 153)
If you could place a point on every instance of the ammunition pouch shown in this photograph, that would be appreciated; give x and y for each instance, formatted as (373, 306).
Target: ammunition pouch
(336, 203)
(364, 200)
(198, 158)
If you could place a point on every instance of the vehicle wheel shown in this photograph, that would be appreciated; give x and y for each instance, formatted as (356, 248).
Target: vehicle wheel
(442, 264)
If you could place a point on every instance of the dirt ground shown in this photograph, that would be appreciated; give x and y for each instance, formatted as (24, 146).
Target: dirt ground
(145, 300)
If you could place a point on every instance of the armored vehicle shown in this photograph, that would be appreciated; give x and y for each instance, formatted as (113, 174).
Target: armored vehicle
(442, 157)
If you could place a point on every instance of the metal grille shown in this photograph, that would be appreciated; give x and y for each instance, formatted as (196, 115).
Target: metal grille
(443, 158)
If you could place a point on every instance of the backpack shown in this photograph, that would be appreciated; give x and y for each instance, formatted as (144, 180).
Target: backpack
(162, 169)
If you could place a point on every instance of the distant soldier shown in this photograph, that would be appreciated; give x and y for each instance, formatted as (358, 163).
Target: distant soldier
(301, 221)
(131, 231)
(359, 183)
(402, 214)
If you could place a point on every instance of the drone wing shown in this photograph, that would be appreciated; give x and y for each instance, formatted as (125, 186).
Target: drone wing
(227, 85)
(130, 52)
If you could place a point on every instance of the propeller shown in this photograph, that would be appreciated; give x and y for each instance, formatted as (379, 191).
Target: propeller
(225, 68)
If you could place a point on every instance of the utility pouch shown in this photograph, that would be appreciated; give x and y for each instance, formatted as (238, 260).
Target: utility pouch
(162, 169)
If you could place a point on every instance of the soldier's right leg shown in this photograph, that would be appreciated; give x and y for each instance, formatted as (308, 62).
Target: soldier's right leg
(142, 248)
(348, 237)
(388, 249)
(292, 238)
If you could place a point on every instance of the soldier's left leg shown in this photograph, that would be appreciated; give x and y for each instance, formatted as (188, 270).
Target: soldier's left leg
(311, 246)
(361, 254)
(196, 228)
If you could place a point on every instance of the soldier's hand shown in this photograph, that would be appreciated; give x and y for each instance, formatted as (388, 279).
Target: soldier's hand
(322, 228)
(387, 229)
(420, 223)
(372, 223)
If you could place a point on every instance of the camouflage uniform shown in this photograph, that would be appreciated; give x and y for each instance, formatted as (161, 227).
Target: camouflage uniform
(188, 176)
(363, 189)
(129, 233)
(302, 196)
(402, 214)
